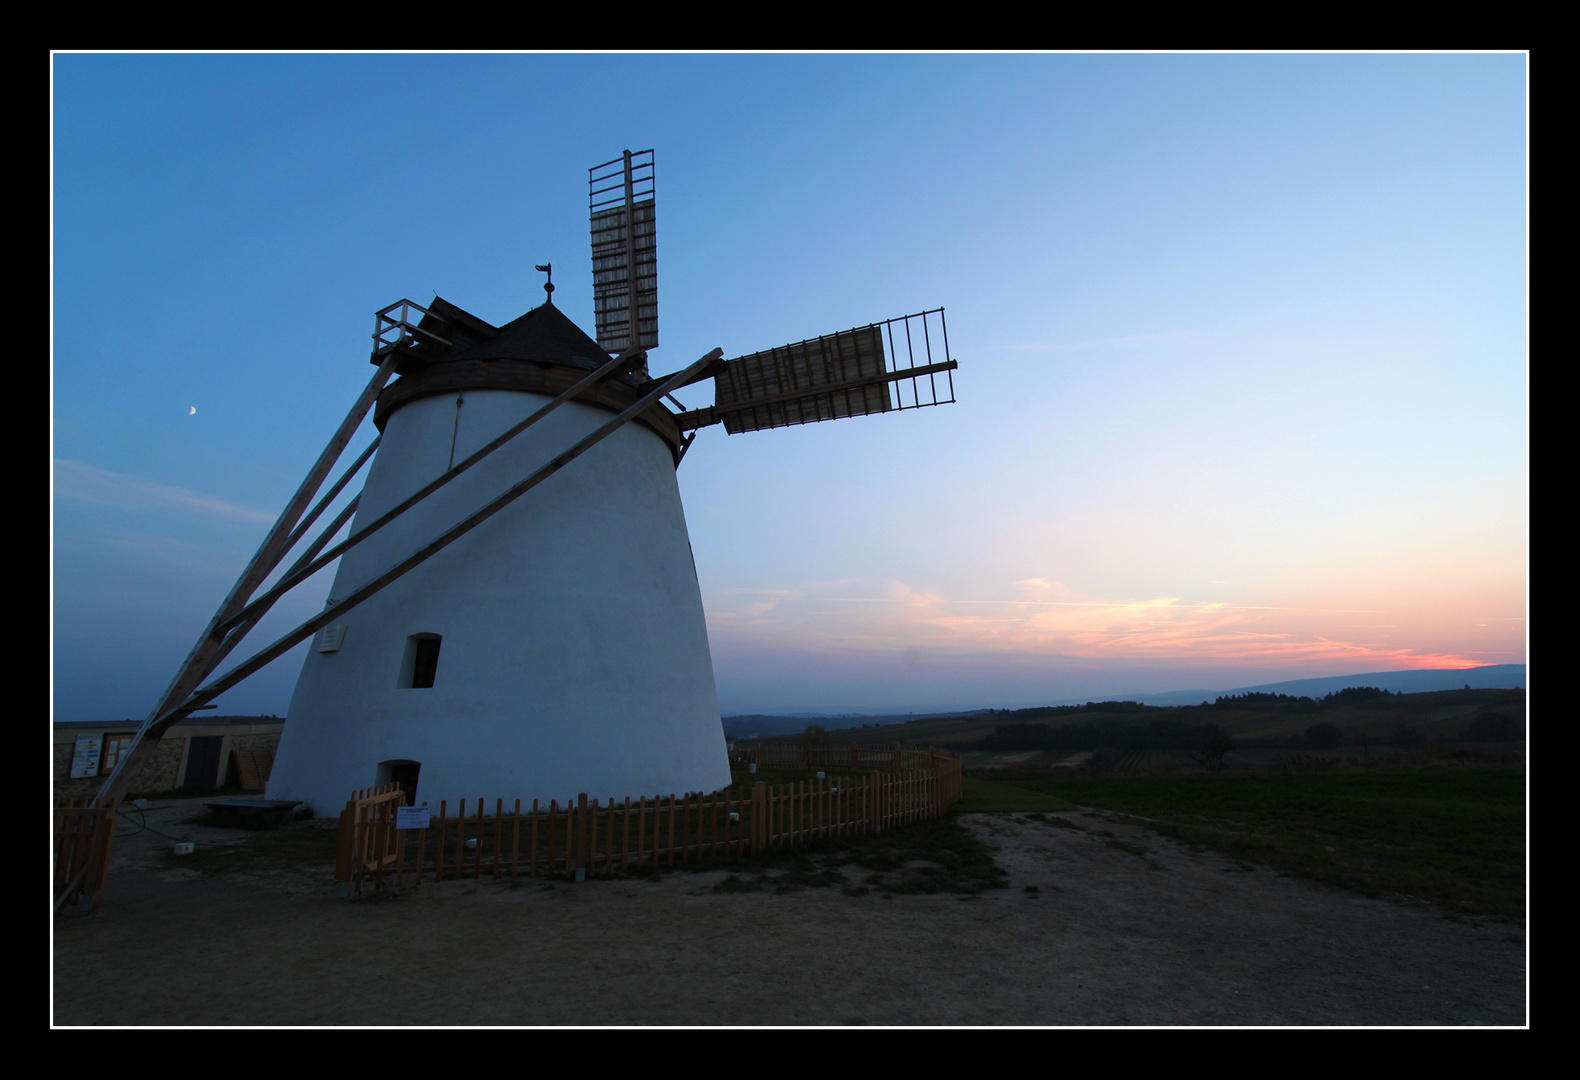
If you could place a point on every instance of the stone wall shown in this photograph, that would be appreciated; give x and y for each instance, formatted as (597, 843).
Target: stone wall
(163, 771)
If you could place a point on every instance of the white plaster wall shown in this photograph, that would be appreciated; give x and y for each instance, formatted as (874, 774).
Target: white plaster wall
(574, 655)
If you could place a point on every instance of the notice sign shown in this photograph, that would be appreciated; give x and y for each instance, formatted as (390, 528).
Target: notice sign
(411, 817)
(85, 756)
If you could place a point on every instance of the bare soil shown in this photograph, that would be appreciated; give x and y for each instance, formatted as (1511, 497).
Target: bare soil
(1104, 923)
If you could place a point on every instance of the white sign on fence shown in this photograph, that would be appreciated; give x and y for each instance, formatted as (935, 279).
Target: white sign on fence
(411, 817)
(85, 756)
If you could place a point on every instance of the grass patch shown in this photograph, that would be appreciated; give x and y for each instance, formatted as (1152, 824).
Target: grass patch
(256, 821)
(938, 856)
(988, 796)
(303, 849)
(981, 795)
(1126, 845)
(1455, 837)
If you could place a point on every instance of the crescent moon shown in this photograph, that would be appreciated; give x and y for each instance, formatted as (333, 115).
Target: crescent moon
(192, 411)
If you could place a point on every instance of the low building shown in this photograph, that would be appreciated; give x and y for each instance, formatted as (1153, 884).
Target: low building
(194, 754)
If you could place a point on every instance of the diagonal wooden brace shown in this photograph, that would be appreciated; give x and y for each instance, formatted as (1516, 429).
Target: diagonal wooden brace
(653, 392)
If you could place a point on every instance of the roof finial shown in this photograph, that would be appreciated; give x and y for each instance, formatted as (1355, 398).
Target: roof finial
(548, 286)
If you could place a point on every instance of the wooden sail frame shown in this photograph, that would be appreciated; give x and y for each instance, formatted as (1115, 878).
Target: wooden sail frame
(855, 372)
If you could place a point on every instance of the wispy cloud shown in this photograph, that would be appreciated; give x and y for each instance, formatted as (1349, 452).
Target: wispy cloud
(89, 483)
(894, 616)
(1171, 602)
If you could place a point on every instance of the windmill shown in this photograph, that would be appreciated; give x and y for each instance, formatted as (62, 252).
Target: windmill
(475, 641)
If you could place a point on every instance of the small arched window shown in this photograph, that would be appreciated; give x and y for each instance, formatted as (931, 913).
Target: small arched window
(421, 662)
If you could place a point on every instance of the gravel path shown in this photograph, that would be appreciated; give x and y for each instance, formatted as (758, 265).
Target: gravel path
(1124, 928)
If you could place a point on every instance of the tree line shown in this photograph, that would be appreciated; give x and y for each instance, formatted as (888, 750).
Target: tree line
(1160, 734)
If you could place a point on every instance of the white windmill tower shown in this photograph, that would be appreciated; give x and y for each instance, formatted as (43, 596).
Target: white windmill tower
(476, 641)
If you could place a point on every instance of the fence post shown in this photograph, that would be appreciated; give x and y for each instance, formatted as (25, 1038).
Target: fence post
(82, 850)
(875, 802)
(580, 857)
(104, 829)
(759, 816)
(896, 756)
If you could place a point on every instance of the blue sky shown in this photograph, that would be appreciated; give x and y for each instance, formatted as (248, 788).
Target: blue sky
(1243, 346)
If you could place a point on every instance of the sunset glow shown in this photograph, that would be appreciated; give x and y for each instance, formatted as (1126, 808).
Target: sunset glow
(1242, 343)
(1293, 639)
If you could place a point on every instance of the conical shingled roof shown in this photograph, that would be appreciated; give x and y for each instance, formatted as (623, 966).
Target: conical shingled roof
(530, 354)
(544, 335)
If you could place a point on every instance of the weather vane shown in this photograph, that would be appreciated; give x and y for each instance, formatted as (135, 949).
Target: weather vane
(548, 286)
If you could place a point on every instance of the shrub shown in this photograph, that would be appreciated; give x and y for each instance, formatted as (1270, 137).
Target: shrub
(813, 738)
(1324, 735)
(1493, 727)
(1216, 744)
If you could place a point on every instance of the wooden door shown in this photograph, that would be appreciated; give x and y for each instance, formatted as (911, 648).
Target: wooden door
(203, 761)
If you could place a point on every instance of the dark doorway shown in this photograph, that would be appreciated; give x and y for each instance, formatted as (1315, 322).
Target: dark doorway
(203, 761)
(404, 773)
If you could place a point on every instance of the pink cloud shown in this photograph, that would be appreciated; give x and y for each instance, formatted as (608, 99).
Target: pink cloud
(891, 615)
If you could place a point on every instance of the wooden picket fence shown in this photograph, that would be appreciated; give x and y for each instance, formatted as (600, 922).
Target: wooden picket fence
(582, 838)
(895, 757)
(83, 829)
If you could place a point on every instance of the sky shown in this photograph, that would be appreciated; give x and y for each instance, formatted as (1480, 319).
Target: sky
(1243, 347)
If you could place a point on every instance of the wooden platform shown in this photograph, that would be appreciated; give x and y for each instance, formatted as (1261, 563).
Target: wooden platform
(252, 807)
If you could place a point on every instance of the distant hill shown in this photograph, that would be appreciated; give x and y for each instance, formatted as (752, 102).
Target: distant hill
(1253, 721)
(1357, 717)
(1440, 714)
(1416, 681)
(759, 726)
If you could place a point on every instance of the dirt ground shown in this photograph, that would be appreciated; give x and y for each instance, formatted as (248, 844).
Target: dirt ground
(1124, 928)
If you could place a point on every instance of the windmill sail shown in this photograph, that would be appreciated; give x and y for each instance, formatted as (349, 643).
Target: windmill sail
(795, 384)
(624, 251)
(882, 367)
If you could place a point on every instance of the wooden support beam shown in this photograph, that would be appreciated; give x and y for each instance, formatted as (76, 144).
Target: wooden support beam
(698, 375)
(329, 496)
(258, 610)
(199, 662)
(201, 696)
(608, 371)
